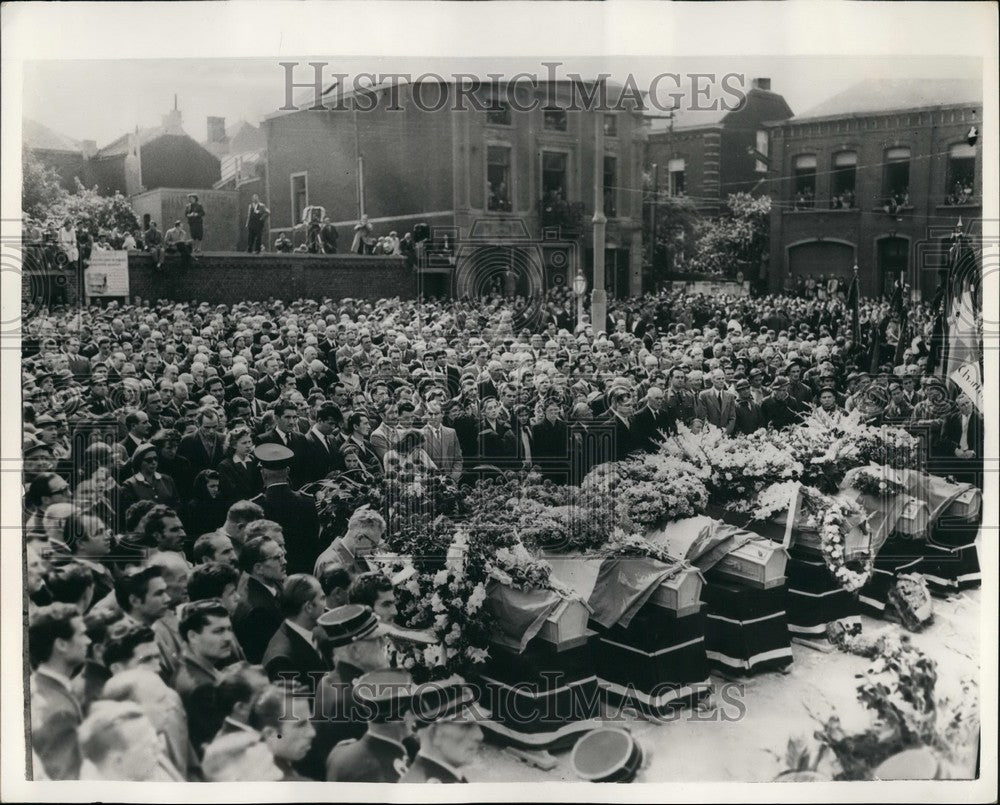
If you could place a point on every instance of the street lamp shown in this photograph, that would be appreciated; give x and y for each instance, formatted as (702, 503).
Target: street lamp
(579, 288)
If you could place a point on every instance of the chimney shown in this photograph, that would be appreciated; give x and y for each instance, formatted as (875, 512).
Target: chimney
(88, 147)
(216, 129)
(762, 83)
(172, 120)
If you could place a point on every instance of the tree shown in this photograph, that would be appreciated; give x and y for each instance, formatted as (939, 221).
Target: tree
(737, 241)
(40, 187)
(677, 221)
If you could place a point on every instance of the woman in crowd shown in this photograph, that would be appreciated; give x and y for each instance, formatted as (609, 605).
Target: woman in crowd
(206, 510)
(238, 471)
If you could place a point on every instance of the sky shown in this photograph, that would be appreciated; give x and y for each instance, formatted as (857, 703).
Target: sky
(100, 100)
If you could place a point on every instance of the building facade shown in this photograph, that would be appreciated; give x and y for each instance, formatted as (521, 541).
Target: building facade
(707, 155)
(858, 182)
(503, 191)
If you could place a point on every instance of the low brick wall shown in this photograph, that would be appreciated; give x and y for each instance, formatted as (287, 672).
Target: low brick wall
(230, 277)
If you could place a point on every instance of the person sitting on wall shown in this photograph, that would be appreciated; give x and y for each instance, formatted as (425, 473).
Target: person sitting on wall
(177, 242)
(283, 244)
(154, 243)
(328, 236)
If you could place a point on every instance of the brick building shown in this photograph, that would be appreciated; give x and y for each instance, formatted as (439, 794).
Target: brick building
(496, 187)
(708, 154)
(876, 176)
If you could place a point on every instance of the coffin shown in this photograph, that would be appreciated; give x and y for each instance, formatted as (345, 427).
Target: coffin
(915, 519)
(857, 544)
(567, 626)
(681, 594)
(759, 564)
(967, 505)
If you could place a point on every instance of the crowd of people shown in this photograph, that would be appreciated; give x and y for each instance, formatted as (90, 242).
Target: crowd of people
(190, 620)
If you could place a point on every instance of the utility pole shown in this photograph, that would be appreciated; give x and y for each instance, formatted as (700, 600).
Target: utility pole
(599, 296)
(652, 227)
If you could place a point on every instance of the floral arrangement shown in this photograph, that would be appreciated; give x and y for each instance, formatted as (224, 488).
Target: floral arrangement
(448, 603)
(877, 483)
(832, 518)
(433, 494)
(898, 687)
(624, 544)
(339, 497)
(516, 568)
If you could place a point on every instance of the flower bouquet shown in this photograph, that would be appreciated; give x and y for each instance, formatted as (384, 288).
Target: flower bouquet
(339, 497)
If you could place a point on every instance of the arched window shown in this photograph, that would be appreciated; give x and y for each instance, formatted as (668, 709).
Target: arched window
(805, 181)
(843, 179)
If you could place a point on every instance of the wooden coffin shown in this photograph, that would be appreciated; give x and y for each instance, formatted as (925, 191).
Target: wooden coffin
(915, 519)
(967, 505)
(566, 627)
(857, 544)
(680, 594)
(760, 564)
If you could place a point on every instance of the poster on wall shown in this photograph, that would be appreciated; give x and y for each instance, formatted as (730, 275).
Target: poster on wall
(107, 273)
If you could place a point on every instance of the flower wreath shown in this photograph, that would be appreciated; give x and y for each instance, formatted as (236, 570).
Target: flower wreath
(833, 529)
(877, 484)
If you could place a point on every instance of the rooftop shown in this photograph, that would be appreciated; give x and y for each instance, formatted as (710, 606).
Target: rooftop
(876, 95)
(42, 138)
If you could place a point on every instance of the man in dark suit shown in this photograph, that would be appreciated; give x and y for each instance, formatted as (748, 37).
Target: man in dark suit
(203, 449)
(258, 615)
(292, 654)
(779, 409)
(748, 414)
(679, 400)
(294, 511)
(717, 405)
(257, 214)
(57, 647)
(550, 444)
(322, 454)
(619, 419)
(651, 422)
(286, 433)
(137, 425)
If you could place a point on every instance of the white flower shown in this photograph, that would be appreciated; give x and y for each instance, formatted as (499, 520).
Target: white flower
(437, 605)
(434, 655)
(477, 654)
(441, 577)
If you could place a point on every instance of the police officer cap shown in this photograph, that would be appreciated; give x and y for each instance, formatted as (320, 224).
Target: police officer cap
(386, 693)
(273, 456)
(607, 755)
(451, 699)
(349, 623)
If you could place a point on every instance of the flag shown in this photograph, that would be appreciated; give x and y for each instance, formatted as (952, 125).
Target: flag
(962, 345)
(967, 378)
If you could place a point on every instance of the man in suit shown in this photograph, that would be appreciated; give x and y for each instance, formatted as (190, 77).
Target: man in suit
(441, 442)
(203, 449)
(294, 511)
(258, 615)
(717, 405)
(748, 415)
(137, 425)
(550, 443)
(292, 654)
(619, 418)
(780, 410)
(798, 390)
(286, 434)
(385, 436)
(963, 434)
(322, 454)
(257, 214)
(57, 647)
(651, 422)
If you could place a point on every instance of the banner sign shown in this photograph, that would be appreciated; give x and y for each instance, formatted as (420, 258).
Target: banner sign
(107, 274)
(967, 378)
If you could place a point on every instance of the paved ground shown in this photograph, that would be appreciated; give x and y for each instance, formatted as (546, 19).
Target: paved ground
(693, 749)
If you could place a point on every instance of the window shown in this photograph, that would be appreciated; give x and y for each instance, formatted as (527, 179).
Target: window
(961, 174)
(610, 126)
(896, 178)
(554, 174)
(300, 196)
(498, 178)
(805, 181)
(842, 182)
(498, 113)
(610, 186)
(554, 120)
(675, 177)
(763, 149)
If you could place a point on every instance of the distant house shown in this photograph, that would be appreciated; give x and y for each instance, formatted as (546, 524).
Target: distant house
(67, 156)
